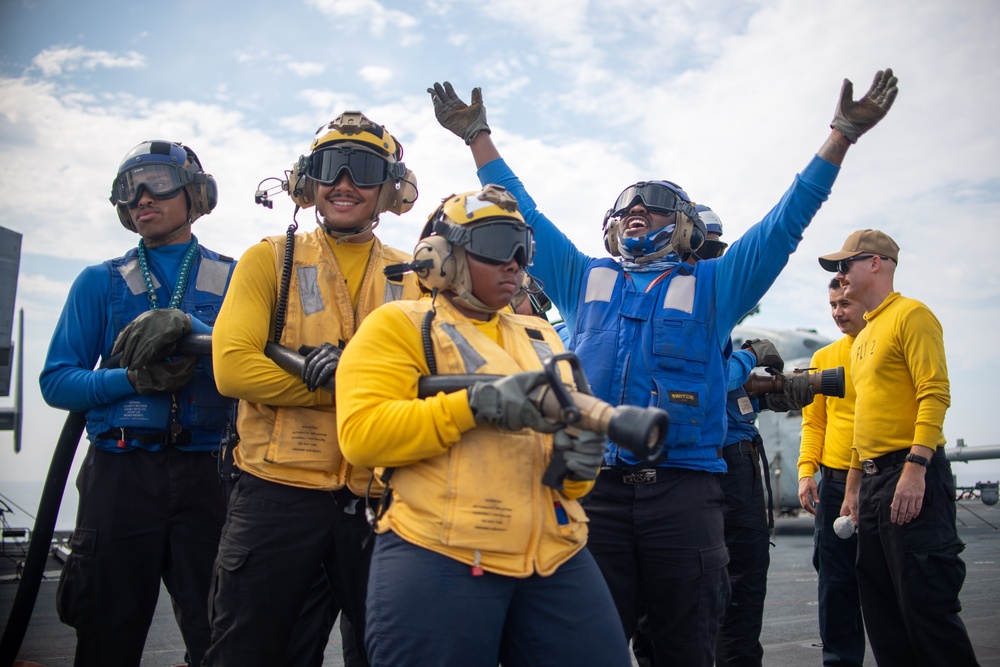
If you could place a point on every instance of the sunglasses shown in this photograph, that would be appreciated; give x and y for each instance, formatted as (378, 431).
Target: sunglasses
(366, 168)
(655, 197)
(844, 265)
(495, 242)
(163, 181)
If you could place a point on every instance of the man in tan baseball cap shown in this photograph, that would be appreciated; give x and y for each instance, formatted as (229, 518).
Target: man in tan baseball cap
(899, 490)
(862, 242)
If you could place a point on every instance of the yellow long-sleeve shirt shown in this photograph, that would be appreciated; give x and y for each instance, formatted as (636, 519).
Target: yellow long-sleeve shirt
(901, 378)
(246, 322)
(380, 423)
(828, 422)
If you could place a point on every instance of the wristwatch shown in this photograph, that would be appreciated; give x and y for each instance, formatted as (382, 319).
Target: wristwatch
(919, 460)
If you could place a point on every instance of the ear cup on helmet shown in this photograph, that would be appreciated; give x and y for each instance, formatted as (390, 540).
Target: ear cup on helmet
(444, 270)
(204, 195)
(400, 200)
(611, 240)
(302, 190)
(689, 231)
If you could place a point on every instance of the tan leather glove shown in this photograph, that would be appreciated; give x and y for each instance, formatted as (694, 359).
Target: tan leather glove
(464, 120)
(855, 118)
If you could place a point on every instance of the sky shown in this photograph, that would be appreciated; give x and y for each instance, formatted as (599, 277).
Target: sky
(729, 98)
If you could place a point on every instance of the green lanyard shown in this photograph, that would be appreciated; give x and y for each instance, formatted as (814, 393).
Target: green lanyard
(182, 275)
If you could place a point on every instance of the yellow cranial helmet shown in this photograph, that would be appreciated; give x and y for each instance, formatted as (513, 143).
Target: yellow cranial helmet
(370, 155)
(484, 223)
(355, 127)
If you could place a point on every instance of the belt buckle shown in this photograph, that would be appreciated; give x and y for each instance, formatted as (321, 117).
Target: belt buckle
(868, 465)
(645, 476)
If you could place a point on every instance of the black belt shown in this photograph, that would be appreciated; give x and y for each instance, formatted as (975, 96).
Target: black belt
(834, 473)
(162, 438)
(631, 475)
(890, 460)
(348, 501)
(741, 447)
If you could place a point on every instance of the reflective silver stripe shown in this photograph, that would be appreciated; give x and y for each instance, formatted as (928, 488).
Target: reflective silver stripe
(473, 360)
(132, 274)
(393, 291)
(542, 349)
(312, 300)
(680, 294)
(212, 275)
(600, 284)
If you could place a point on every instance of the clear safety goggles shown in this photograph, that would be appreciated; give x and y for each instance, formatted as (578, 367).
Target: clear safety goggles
(655, 197)
(366, 168)
(163, 181)
(495, 242)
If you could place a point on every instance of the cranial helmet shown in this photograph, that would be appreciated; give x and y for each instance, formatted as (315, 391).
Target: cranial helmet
(370, 155)
(661, 197)
(711, 248)
(484, 223)
(162, 168)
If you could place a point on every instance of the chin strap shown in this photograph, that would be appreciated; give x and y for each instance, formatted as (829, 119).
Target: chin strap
(341, 236)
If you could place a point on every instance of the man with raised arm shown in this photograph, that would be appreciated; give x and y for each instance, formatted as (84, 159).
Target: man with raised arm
(651, 330)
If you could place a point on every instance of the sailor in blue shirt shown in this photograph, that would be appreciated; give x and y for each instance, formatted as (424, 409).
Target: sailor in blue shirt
(652, 330)
(151, 501)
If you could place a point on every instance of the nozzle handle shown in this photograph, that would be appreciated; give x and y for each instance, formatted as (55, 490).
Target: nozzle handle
(556, 471)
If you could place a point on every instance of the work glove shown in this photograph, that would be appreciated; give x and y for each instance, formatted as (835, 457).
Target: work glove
(163, 377)
(504, 403)
(796, 393)
(320, 364)
(855, 118)
(464, 120)
(766, 353)
(152, 335)
(583, 453)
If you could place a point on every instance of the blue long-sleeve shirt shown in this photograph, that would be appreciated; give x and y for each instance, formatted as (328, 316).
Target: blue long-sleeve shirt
(744, 274)
(85, 334)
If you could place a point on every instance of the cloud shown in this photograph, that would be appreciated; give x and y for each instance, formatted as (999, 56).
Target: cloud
(368, 12)
(376, 76)
(305, 69)
(56, 61)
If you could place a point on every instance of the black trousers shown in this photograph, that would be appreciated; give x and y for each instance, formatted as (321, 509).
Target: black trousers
(910, 576)
(840, 623)
(747, 538)
(745, 520)
(276, 542)
(661, 548)
(143, 516)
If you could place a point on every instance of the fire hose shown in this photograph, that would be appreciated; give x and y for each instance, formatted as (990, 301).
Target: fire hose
(640, 430)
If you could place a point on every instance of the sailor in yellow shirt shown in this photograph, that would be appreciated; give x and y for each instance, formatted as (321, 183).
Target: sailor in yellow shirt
(476, 561)
(295, 528)
(908, 567)
(827, 436)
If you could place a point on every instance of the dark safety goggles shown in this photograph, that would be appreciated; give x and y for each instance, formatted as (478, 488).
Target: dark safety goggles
(495, 242)
(844, 265)
(366, 168)
(655, 197)
(163, 181)
(711, 248)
